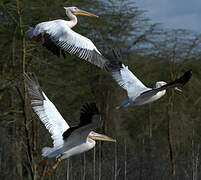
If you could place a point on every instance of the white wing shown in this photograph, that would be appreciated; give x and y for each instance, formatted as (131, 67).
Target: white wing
(127, 80)
(57, 33)
(90, 119)
(46, 111)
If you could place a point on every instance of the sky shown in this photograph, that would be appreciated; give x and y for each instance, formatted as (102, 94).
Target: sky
(174, 14)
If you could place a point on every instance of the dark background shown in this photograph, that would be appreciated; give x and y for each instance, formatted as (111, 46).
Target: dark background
(157, 141)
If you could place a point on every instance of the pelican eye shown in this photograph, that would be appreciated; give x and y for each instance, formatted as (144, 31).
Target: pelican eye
(91, 133)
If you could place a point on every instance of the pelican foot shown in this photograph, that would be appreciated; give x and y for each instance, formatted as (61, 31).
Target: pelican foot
(43, 162)
(118, 107)
(49, 171)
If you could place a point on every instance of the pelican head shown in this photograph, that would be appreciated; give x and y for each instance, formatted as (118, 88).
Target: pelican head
(100, 137)
(162, 83)
(76, 11)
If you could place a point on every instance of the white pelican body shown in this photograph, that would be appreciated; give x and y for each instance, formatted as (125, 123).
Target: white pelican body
(141, 100)
(67, 141)
(59, 30)
(58, 37)
(138, 93)
(89, 144)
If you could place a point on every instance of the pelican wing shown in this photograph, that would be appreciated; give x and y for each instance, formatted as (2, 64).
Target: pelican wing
(46, 111)
(59, 38)
(126, 79)
(90, 119)
(181, 81)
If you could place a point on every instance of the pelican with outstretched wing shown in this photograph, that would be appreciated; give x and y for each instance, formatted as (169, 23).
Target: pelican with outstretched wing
(67, 141)
(58, 37)
(138, 93)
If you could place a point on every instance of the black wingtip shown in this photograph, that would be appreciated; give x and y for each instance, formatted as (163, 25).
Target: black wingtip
(87, 112)
(32, 84)
(117, 54)
(116, 64)
(30, 79)
(190, 71)
(90, 108)
(113, 65)
(186, 77)
(50, 45)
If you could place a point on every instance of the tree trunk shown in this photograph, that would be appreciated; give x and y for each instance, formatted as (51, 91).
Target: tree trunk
(150, 122)
(125, 159)
(170, 138)
(33, 166)
(67, 170)
(94, 163)
(115, 161)
(99, 160)
(84, 166)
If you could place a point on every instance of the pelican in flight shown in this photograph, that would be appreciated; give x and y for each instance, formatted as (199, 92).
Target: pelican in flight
(67, 141)
(58, 37)
(138, 93)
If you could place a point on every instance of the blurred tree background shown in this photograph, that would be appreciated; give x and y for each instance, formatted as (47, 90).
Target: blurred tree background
(157, 141)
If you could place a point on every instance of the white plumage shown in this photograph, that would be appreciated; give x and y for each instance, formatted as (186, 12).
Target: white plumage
(63, 36)
(127, 80)
(67, 141)
(138, 93)
(58, 37)
(52, 120)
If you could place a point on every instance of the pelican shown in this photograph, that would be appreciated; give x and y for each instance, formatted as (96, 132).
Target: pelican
(67, 141)
(58, 37)
(138, 93)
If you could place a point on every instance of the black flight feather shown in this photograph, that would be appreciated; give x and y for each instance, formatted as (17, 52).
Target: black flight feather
(86, 116)
(62, 48)
(34, 89)
(176, 83)
(180, 81)
(114, 65)
(117, 54)
(51, 46)
(87, 112)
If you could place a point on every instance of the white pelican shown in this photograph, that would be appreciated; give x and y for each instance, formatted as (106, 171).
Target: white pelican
(58, 37)
(138, 93)
(67, 141)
